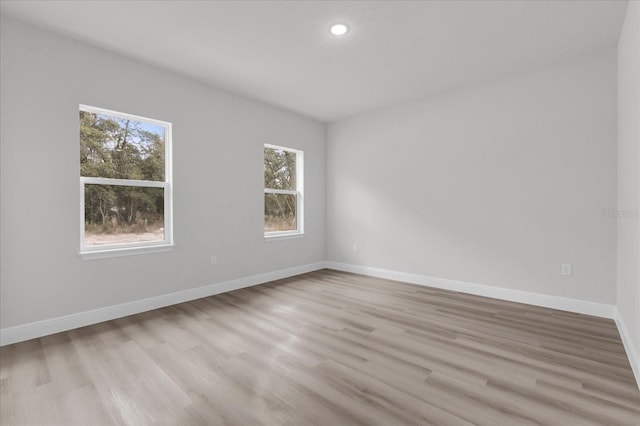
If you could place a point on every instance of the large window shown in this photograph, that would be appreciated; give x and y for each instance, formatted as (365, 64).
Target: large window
(283, 189)
(125, 183)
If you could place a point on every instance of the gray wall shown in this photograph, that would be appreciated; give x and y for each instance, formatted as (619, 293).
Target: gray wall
(629, 175)
(497, 184)
(217, 145)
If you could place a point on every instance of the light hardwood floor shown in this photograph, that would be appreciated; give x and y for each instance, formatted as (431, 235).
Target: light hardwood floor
(326, 348)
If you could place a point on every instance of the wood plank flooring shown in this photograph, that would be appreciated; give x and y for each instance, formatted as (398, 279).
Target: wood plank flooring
(326, 348)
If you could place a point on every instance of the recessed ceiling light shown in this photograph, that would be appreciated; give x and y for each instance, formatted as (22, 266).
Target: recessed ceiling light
(339, 29)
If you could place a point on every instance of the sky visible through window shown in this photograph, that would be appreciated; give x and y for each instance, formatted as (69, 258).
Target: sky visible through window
(138, 128)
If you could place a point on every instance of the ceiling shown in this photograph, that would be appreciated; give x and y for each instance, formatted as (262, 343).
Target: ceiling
(281, 52)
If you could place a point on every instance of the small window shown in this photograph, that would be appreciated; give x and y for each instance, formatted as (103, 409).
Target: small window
(283, 189)
(125, 184)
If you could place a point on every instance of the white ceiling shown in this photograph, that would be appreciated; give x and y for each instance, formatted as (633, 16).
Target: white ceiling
(281, 52)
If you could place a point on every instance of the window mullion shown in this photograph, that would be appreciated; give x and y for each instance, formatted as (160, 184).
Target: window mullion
(280, 191)
(123, 182)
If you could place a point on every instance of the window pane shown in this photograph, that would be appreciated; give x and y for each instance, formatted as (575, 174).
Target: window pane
(279, 212)
(279, 169)
(118, 148)
(122, 214)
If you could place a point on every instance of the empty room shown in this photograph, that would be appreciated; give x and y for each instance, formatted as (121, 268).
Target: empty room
(320, 212)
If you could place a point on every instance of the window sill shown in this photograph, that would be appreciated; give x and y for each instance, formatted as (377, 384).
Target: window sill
(278, 237)
(119, 252)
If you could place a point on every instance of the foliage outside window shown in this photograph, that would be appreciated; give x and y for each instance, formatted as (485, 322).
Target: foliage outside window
(283, 189)
(125, 181)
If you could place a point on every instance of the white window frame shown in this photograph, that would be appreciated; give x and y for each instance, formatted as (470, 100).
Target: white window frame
(298, 192)
(142, 247)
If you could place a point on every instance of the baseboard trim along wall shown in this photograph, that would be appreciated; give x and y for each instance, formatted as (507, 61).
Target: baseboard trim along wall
(543, 300)
(632, 354)
(36, 329)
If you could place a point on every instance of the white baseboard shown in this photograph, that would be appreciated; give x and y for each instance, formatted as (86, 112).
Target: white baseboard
(629, 347)
(543, 300)
(36, 329)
